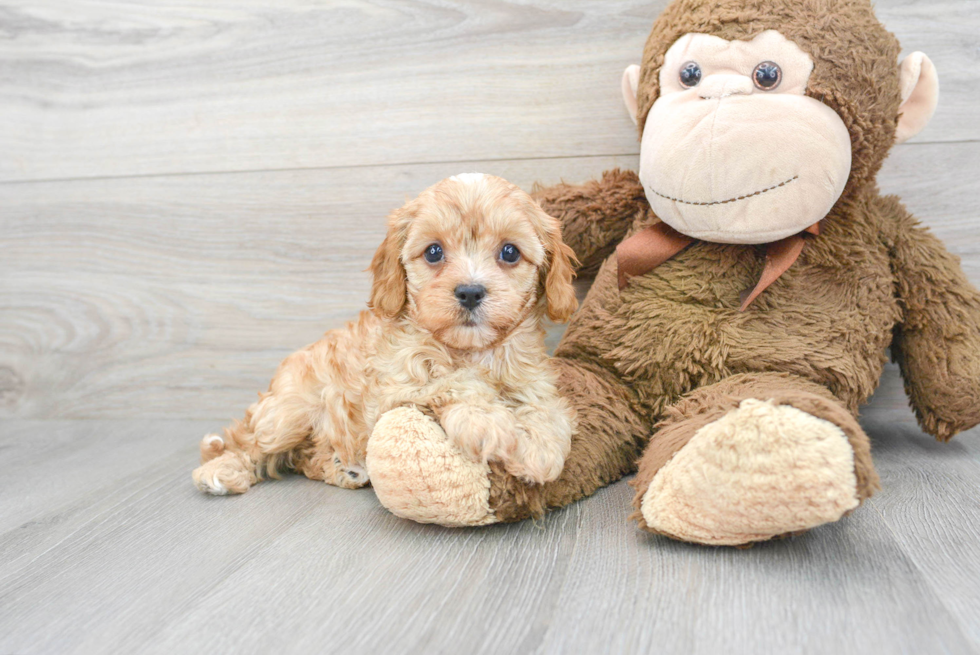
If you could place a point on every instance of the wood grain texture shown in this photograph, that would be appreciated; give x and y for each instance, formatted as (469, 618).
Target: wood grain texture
(219, 174)
(176, 296)
(134, 559)
(940, 538)
(123, 297)
(95, 89)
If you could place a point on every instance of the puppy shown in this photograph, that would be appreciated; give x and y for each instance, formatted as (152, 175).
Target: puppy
(462, 282)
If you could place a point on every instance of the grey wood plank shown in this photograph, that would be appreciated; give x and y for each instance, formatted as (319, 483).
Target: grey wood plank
(826, 592)
(296, 566)
(129, 297)
(924, 176)
(133, 88)
(175, 297)
(844, 588)
(409, 588)
(55, 464)
(931, 506)
(114, 566)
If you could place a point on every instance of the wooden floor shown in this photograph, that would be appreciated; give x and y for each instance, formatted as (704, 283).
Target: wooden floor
(108, 548)
(188, 192)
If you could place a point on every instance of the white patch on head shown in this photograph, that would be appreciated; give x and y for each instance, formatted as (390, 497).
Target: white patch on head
(475, 271)
(468, 178)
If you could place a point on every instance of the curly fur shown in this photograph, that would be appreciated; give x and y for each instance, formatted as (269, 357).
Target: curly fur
(483, 372)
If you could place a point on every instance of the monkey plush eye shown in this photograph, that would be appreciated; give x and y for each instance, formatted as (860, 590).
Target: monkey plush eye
(510, 254)
(767, 76)
(433, 254)
(690, 74)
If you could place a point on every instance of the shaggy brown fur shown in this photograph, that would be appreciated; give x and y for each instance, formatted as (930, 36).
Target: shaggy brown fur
(672, 350)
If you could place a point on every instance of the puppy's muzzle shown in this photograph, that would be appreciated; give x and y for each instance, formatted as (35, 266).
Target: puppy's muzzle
(470, 295)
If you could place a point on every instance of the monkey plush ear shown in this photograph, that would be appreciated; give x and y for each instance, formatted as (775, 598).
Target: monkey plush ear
(920, 94)
(560, 294)
(631, 81)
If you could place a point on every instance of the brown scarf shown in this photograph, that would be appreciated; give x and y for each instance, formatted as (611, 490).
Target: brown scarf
(651, 247)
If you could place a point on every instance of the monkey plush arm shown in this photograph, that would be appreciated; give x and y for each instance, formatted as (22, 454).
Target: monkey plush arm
(595, 216)
(937, 343)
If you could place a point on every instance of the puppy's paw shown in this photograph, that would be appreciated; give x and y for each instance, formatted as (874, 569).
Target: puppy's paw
(544, 441)
(537, 463)
(212, 445)
(229, 473)
(348, 476)
(481, 431)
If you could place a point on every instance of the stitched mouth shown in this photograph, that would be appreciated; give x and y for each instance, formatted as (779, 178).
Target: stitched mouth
(730, 200)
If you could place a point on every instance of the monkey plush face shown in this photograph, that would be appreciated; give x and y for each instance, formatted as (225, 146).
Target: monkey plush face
(734, 150)
(751, 134)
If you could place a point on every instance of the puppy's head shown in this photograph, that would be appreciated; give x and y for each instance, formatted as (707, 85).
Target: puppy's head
(469, 259)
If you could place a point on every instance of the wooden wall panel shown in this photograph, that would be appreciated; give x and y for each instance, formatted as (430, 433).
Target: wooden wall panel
(94, 89)
(178, 295)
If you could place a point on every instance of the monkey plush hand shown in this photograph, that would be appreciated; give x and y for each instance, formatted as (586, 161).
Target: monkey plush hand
(749, 280)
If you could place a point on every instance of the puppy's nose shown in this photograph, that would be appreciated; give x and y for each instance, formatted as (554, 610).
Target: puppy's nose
(470, 295)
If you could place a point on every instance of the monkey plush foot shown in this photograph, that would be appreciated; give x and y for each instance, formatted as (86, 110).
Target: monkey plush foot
(419, 474)
(761, 470)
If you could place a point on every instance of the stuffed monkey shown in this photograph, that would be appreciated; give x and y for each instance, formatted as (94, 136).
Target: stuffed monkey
(749, 280)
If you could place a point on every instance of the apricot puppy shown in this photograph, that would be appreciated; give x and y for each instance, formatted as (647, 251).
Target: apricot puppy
(462, 281)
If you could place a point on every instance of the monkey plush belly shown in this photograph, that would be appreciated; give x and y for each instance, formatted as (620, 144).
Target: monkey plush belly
(678, 327)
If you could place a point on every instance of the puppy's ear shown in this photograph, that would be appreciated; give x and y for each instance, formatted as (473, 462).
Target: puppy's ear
(559, 291)
(390, 287)
(559, 267)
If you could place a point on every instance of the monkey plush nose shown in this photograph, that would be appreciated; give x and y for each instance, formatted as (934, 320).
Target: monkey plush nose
(470, 295)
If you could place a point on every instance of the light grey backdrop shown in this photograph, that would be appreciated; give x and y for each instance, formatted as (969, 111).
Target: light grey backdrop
(188, 193)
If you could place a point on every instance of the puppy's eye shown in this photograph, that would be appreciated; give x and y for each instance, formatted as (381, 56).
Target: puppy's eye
(433, 254)
(510, 254)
